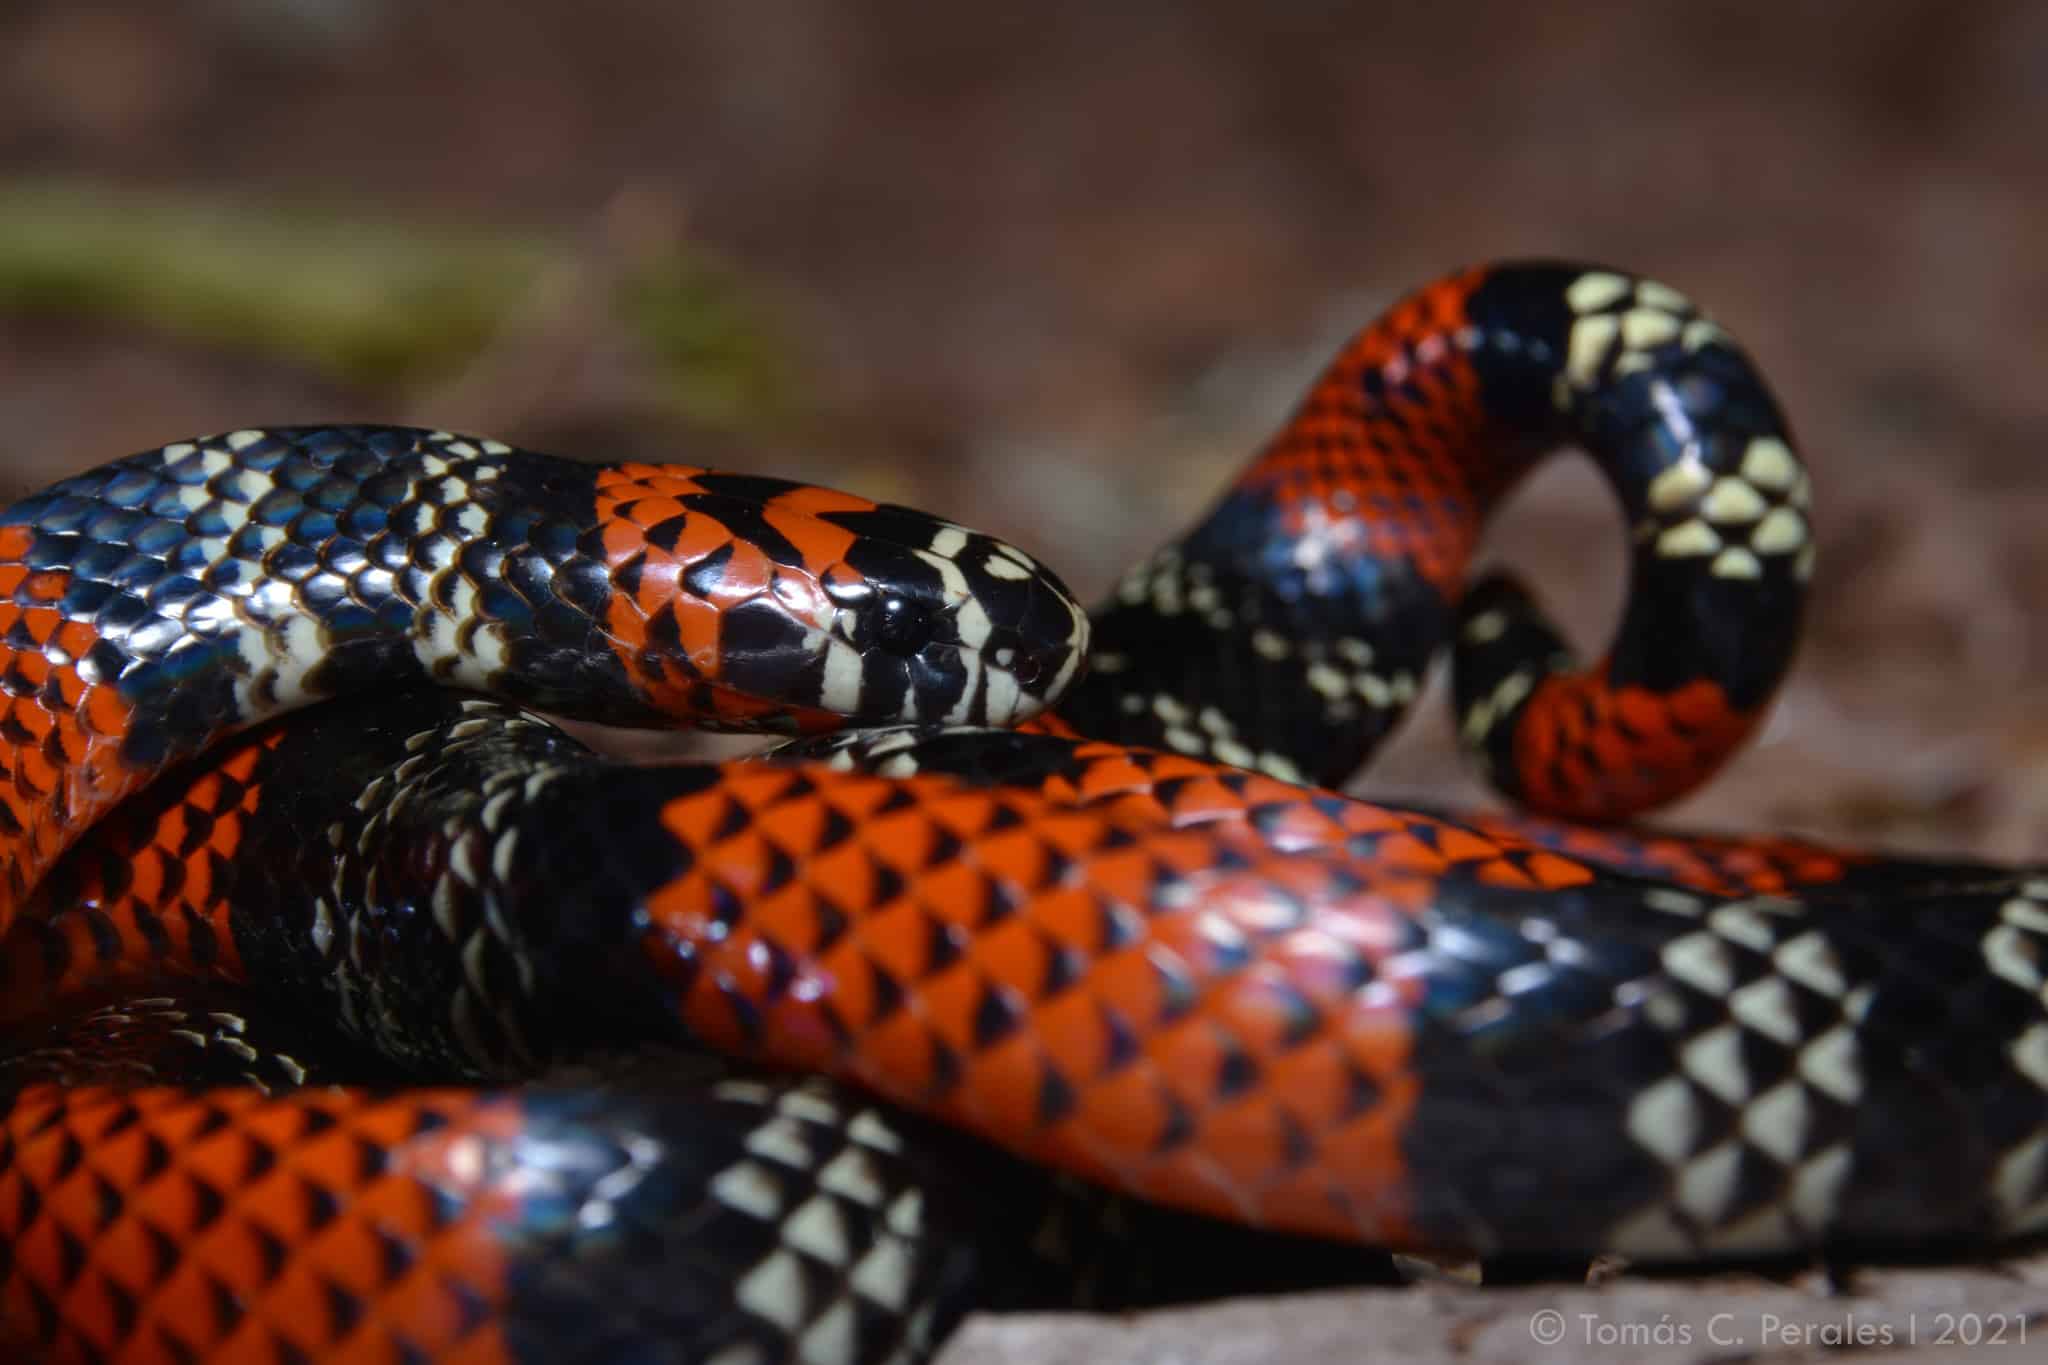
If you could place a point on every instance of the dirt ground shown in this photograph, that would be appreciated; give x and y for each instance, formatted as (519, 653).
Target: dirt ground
(1056, 269)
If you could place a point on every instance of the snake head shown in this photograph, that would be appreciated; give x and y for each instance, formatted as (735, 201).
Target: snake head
(946, 624)
(756, 603)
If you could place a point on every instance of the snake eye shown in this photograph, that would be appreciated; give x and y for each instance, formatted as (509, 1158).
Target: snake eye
(902, 626)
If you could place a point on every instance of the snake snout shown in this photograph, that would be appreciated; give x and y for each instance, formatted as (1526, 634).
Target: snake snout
(1037, 633)
(948, 625)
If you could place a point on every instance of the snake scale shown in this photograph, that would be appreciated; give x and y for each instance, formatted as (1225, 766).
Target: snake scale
(1038, 964)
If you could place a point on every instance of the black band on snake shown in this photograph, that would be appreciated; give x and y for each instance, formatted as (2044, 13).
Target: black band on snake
(408, 1029)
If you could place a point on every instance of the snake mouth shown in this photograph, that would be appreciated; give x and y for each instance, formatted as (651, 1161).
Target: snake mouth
(962, 628)
(1019, 653)
(967, 671)
(1024, 621)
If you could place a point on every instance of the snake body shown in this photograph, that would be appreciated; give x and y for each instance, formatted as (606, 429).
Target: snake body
(1126, 942)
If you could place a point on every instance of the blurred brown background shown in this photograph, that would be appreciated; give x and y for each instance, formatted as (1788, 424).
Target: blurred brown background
(1055, 270)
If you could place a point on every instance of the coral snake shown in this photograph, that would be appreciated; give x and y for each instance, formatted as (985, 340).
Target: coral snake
(381, 1033)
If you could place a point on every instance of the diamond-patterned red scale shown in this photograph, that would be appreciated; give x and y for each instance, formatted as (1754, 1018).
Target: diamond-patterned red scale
(60, 737)
(143, 902)
(156, 1224)
(1409, 475)
(1092, 987)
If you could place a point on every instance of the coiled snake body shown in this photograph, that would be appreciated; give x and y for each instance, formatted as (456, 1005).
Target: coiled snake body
(371, 1034)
